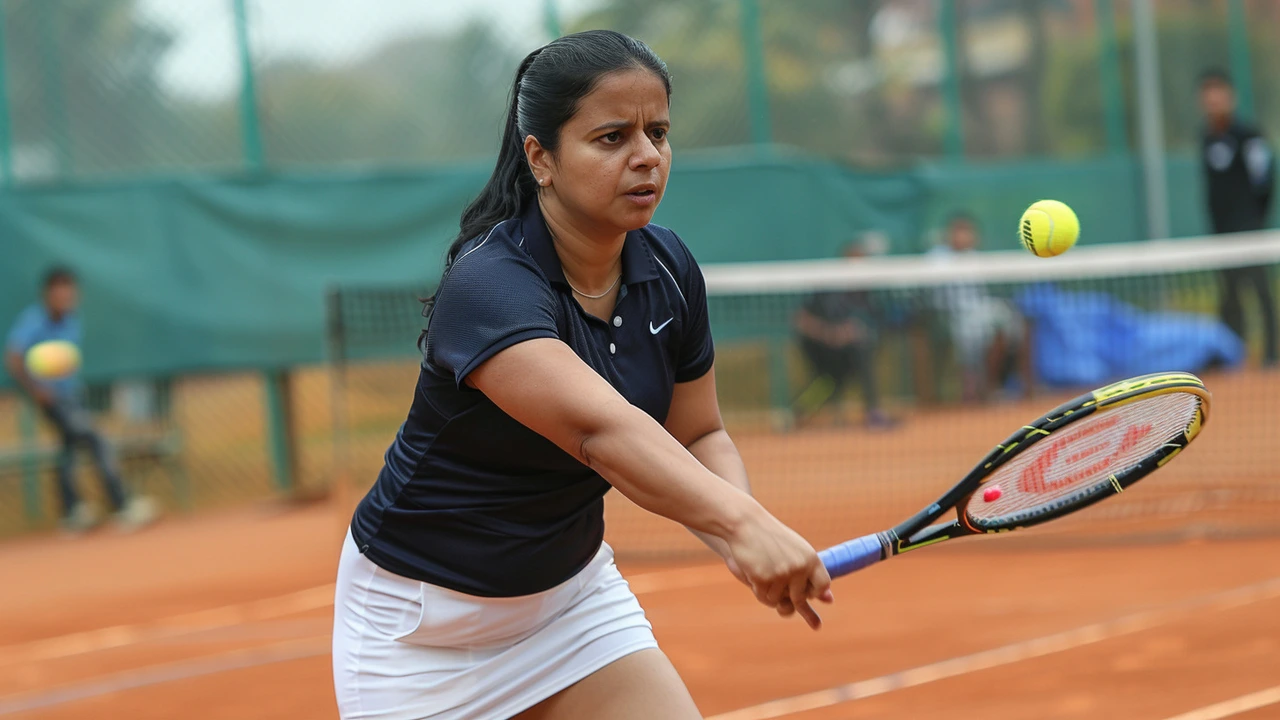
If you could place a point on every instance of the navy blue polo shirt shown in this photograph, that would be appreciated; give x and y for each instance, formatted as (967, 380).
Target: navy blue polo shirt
(468, 498)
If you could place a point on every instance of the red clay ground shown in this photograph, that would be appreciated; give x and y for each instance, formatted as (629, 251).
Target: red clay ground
(228, 617)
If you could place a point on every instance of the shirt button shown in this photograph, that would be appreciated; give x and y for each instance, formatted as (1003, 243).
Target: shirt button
(617, 321)
(612, 348)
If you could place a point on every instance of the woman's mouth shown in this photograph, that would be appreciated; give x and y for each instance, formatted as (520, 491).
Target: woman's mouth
(645, 196)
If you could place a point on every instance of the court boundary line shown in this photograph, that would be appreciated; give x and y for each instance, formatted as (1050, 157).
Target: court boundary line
(186, 669)
(314, 598)
(1234, 706)
(1008, 654)
(115, 636)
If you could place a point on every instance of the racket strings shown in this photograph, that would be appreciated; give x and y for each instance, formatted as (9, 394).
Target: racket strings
(1081, 459)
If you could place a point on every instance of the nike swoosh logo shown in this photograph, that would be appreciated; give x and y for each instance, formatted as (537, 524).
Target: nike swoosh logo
(655, 330)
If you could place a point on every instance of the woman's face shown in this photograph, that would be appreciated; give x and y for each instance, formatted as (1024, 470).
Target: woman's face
(610, 170)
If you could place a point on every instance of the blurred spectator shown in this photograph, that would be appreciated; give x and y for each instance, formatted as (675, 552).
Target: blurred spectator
(61, 402)
(1239, 173)
(837, 334)
(988, 334)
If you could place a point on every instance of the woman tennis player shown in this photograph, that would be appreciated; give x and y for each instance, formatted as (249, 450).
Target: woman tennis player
(568, 351)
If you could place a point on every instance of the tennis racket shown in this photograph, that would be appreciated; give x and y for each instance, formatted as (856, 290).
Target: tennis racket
(1083, 451)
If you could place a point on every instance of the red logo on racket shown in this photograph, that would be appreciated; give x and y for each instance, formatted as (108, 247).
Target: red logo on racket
(1035, 477)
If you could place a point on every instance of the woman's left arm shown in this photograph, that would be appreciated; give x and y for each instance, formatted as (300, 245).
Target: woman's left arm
(694, 420)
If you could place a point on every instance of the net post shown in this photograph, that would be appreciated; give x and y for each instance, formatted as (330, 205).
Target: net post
(54, 88)
(948, 29)
(1112, 95)
(1241, 64)
(336, 343)
(757, 77)
(6, 146)
(1151, 120)
(278, 384)
(249, 118)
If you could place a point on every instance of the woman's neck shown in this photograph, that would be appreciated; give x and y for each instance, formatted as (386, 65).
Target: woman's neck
(592, 262)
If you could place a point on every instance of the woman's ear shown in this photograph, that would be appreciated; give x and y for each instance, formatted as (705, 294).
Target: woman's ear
(539, 161)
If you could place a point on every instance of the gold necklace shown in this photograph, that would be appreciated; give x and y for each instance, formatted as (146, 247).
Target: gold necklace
(592, 297)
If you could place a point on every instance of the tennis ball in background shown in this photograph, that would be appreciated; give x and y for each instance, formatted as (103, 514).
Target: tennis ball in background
(1048, 228)
(53, 360)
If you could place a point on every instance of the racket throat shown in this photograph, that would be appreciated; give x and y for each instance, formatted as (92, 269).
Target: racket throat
(927, 536)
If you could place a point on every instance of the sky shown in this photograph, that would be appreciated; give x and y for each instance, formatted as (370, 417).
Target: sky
(204, 62)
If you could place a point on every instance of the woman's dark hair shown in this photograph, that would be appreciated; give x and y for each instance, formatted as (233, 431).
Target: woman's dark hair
(549, 85)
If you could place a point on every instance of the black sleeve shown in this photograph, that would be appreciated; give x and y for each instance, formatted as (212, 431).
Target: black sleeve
(697, 350)
(486, 303)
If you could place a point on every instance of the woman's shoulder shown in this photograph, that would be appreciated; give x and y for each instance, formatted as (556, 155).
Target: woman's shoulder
(494, 261)
(669, 248)
(495, 242)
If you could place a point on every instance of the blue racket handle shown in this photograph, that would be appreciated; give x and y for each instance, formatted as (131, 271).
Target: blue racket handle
(853, 555)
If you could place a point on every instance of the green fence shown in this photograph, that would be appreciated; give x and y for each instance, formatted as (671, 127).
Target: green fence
(214, 275)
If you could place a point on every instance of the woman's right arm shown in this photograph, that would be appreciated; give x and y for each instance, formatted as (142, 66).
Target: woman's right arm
(546, 387)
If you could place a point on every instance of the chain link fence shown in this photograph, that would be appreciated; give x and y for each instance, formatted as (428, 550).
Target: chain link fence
(96, 88)
(97, 91)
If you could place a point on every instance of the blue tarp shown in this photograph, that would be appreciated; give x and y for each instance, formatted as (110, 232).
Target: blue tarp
(1089, 338)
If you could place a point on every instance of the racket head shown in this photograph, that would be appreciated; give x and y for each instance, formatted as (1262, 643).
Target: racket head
(1084, 451)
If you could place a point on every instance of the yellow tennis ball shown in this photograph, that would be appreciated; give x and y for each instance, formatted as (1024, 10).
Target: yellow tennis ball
(53, 359)
(1049, 228)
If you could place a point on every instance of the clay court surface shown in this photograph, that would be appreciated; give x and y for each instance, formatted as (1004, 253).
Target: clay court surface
(228, 617)
(1161, 604)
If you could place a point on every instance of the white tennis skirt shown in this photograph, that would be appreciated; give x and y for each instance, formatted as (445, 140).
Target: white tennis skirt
(404, 650)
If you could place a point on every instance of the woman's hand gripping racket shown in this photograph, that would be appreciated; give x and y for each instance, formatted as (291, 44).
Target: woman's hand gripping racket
(1088, 449)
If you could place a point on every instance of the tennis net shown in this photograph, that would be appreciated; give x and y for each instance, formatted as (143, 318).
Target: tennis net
(858, 389)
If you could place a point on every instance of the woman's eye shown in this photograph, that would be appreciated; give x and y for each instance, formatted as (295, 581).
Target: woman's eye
(659, 133)
(613, 137)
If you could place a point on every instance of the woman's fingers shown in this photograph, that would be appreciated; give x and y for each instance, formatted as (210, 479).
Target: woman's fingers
(776, 591)
(820, 583)
(810, 615)
(799, 596)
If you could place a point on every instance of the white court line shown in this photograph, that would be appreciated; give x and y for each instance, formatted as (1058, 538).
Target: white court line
(315, 598)
(1235, 706)
(168, 672)
(1008, 654)
(185, 624)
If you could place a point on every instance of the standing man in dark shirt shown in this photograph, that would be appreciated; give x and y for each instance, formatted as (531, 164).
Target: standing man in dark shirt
(837, 334)
(1239, 172)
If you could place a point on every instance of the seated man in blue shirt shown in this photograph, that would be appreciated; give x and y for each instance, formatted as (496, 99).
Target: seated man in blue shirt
(61, 401)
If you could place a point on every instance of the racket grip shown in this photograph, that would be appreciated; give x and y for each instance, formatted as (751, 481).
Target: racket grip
(853, 555)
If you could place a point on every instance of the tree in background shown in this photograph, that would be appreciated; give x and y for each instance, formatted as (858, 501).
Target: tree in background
(419, 100)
